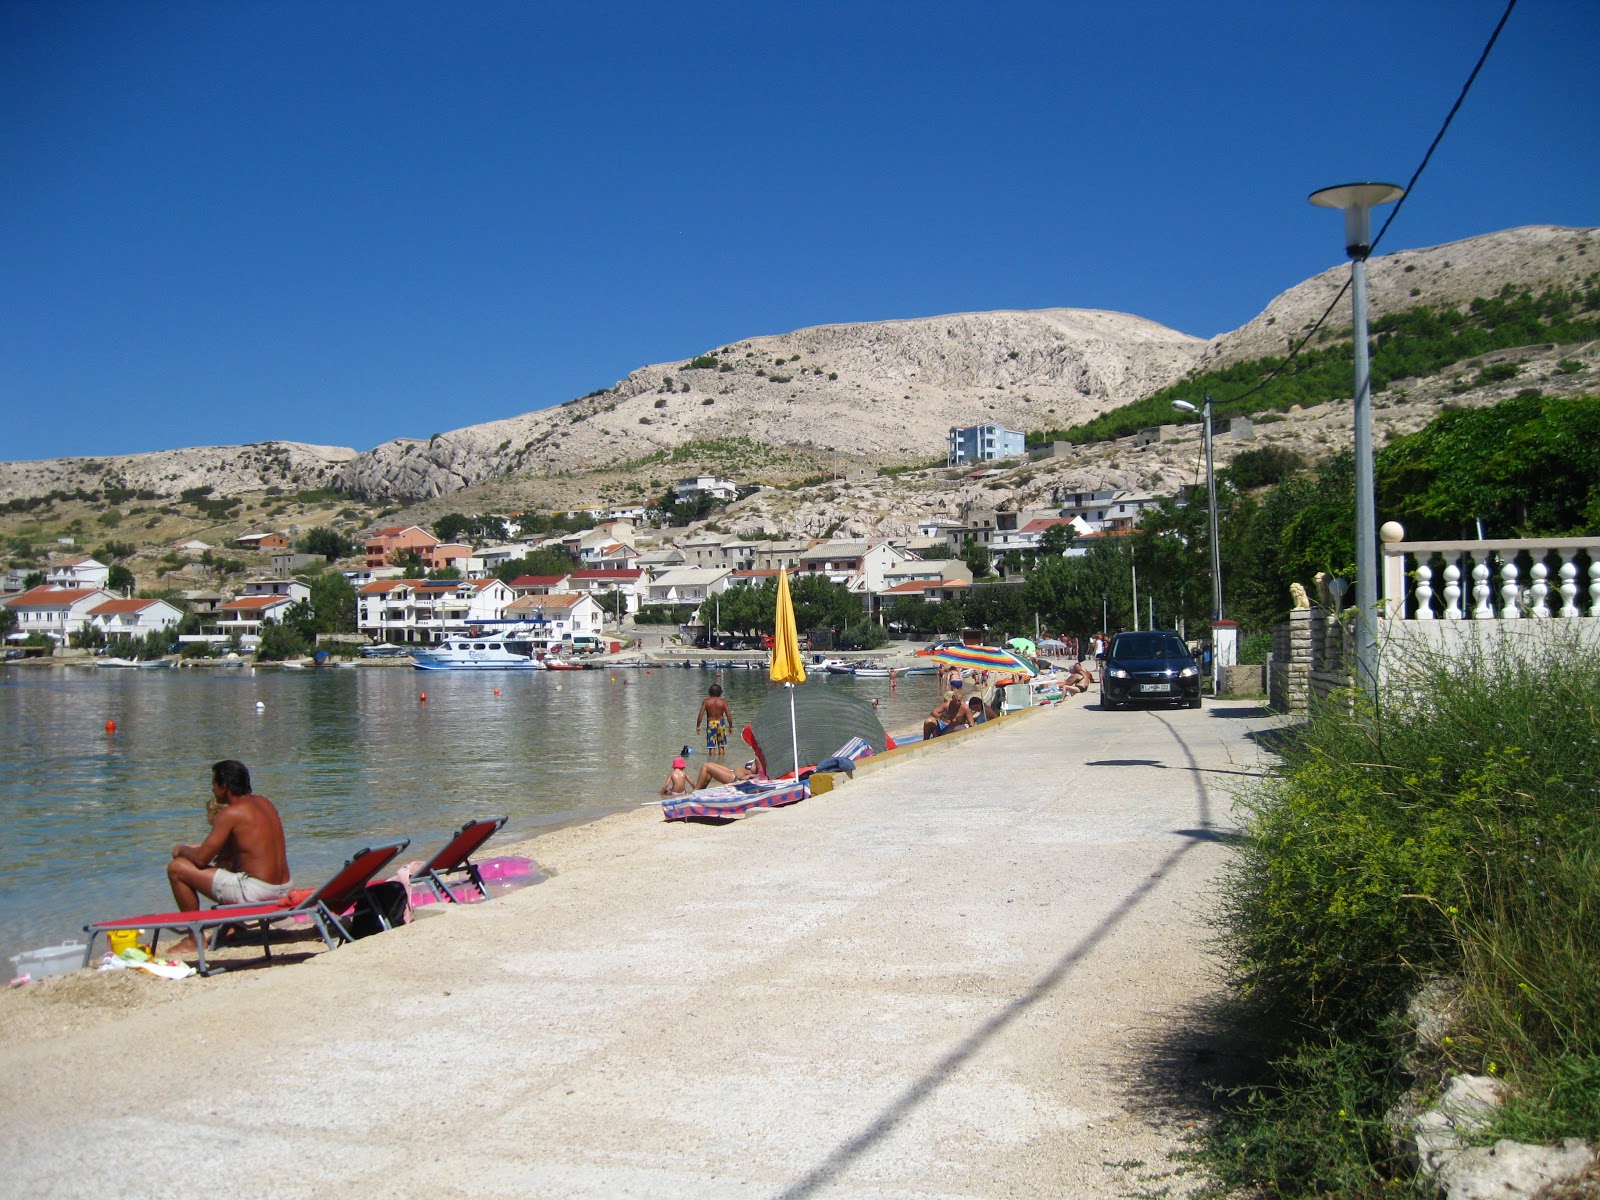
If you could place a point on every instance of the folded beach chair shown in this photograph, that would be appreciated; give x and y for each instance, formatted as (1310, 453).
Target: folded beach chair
(456, 858)
(328, 907)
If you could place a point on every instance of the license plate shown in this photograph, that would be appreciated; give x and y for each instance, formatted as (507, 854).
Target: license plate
(1155, 687)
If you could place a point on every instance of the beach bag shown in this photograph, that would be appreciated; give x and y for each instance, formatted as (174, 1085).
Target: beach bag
(391, 898)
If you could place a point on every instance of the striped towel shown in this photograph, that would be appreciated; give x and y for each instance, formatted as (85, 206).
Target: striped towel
(733, 800)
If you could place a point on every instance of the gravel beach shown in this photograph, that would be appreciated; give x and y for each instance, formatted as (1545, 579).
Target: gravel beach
(953, 976)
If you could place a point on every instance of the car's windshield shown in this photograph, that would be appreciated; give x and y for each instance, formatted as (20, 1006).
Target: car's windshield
(1148, 645)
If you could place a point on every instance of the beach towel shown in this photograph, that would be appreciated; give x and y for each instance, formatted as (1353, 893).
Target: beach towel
(734, 800)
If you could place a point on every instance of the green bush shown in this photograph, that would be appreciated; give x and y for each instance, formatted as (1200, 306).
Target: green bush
(1452, 829)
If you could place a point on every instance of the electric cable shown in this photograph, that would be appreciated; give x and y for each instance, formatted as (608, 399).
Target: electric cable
(1295, 349)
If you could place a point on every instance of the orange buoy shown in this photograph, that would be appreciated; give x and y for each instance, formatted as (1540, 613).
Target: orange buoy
(423, 697)
(497, 691)
(111, 726)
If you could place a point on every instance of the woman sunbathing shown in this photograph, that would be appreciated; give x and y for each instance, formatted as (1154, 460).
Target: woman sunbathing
(716, 771)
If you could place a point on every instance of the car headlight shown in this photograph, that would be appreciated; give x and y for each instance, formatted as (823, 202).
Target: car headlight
(1117, 673)
(1188, 672)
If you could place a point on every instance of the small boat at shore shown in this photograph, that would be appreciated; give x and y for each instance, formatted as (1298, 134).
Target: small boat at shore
(117, 663)
(478, 654)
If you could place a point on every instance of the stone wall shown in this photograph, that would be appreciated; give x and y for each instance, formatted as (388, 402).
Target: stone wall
(1289, 685)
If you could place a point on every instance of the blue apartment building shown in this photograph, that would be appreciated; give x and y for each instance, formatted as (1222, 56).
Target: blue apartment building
(983, 443)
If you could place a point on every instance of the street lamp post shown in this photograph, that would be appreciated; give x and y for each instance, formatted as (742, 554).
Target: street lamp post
(1357, 200)
(1211, 504)
(1219, 653)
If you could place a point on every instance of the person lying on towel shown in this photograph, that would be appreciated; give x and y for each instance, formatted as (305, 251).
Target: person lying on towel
(717, 773)
(243, 859)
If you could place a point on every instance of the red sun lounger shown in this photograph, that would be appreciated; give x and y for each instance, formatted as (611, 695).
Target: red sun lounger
(456, 858)
(327, 907)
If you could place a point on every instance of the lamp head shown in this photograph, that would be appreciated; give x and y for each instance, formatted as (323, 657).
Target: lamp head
(1357, 200)
(1184, 406)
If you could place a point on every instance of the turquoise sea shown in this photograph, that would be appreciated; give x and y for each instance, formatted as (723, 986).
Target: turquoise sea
(351, 756)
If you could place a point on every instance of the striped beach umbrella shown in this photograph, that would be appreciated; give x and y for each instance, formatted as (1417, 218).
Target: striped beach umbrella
(984, 658)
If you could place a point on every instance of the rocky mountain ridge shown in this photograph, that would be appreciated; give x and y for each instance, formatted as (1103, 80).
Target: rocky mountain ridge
(875, 394)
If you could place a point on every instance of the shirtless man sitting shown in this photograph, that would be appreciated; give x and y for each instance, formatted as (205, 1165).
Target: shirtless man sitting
(1078, 679)
(246, 839)
(717, 773)
(951, 713)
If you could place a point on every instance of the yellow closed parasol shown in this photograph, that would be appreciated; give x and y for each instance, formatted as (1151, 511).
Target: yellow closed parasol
(787, 668)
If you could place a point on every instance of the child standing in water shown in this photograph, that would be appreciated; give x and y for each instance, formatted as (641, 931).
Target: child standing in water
(715, 713)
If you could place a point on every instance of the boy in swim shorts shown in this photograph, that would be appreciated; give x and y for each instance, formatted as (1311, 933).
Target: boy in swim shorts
(718, 718)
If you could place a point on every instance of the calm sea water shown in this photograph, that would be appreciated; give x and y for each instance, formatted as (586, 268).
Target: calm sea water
(349, 756)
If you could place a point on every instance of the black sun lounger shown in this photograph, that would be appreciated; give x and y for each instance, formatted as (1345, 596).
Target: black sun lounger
(328, 907)
(456, 858)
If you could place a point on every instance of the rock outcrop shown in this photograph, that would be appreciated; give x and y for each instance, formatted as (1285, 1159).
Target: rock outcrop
(227, 470)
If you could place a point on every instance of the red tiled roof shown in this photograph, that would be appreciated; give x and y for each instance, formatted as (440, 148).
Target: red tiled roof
(1044, 523)
(554, 600)
(537, 580)
(116, 606)
(255, 603)
(45, 596)
(616, 575)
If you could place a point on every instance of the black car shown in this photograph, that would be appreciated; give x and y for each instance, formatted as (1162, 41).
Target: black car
(1149, 665)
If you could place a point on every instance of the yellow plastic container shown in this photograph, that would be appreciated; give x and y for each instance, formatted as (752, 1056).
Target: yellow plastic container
(122, 939)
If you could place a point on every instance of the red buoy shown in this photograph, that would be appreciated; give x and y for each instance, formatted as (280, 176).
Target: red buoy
(111, 726)
(423, 697)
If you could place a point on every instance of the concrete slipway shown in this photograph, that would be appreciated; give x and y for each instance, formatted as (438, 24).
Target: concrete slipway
(941, 980)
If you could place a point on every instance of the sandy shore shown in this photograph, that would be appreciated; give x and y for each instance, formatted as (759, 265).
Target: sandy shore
(958, 975)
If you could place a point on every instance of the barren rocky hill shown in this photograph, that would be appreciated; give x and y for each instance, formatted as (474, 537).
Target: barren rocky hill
(839, 395)
(885, 393)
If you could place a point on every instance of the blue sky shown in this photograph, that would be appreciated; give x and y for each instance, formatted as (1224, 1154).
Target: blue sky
(346, 222)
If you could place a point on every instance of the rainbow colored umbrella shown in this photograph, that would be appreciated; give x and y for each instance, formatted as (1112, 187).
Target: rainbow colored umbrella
(985, 658)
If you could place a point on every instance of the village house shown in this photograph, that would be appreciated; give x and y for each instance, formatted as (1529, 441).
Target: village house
(779, 556)
(429, 610)
(705, 485)
(537, 585)
(686, 585)
(605, 583)
(384, 546)
(263, 602)
(57, 612)
(261, 541)
(983, 443)
(560, 615)
(133, 618)
(80, 572)
(857, 563)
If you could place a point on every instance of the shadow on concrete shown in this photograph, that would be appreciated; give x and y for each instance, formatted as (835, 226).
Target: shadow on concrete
(920, 1090)
(1155, 762)
(1253, 711)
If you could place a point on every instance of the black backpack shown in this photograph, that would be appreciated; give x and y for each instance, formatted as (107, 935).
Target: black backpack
(387, 904)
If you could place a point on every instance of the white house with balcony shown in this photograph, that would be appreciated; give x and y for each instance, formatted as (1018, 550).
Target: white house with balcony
(705, 485)
(686, 585)
(133, 618)
(429, 610)
(58, 612)
(847, 562)
(559, 615)
(80, 572)
(984, 443)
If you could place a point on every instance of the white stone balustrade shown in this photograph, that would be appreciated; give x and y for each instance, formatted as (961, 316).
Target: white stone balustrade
(1409, 571)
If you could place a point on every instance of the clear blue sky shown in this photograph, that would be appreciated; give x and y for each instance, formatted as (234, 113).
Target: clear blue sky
(345, 222)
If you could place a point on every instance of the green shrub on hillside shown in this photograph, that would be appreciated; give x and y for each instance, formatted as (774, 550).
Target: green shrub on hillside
(1417, 342)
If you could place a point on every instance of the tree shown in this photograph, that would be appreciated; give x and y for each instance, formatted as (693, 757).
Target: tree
(548, 561)
(8, 622)
(977, 558)
(120, 579)
(329, 543)
(333, 601)
(279, 642)
(410, 562)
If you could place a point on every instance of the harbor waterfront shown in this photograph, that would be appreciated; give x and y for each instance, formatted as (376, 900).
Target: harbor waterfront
(351, 756)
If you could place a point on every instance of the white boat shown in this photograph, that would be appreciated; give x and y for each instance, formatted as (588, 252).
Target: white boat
(117, 662)
(836, 666)
(871, 670)
(492, 652)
